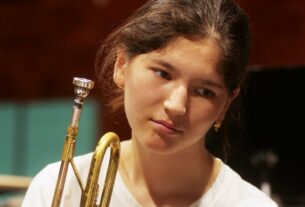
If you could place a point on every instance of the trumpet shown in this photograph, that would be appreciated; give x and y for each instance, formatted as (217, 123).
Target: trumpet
(89, 193)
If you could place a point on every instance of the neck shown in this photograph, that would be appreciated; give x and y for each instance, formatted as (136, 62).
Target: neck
(182, 173)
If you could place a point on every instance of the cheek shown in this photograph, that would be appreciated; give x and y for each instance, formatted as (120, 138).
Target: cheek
(203, 114)
(139, 98)
(136, 95)
(141, 89)
(130, 109)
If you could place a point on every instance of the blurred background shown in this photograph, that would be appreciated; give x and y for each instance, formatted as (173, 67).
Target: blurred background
(45, 43)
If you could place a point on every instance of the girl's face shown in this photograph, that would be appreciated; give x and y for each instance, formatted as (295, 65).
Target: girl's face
(173, 96)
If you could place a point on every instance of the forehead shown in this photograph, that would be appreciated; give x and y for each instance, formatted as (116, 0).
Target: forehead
(192, 44)
(204, 54)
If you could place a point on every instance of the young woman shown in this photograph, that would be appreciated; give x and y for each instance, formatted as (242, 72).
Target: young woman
(176, 66)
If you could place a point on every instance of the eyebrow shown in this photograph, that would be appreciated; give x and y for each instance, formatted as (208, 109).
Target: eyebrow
(165, 64)
(212, 83)
(172, 68)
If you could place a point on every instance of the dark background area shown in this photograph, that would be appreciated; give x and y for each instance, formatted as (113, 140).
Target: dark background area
(45, 43)
(274, 124)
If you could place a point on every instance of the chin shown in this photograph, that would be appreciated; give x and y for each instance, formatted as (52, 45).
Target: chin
(160, 146)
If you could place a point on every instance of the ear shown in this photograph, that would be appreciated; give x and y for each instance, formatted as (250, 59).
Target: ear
(119, 68)
(228, 103)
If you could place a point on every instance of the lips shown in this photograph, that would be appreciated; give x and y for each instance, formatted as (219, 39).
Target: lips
(166, 127)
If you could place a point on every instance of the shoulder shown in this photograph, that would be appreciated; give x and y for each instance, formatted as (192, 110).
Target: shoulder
(42, 187)
(50, 172)
(241, 193)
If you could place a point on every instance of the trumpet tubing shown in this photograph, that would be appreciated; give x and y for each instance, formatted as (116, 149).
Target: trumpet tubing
(90, 192)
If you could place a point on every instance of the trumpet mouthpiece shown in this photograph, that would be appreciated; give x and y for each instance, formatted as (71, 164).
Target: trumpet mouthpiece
(82, 87)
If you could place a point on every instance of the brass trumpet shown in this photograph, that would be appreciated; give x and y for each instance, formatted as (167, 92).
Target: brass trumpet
(90, 192)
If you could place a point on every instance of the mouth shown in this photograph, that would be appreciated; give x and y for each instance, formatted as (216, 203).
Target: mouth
(166, 127)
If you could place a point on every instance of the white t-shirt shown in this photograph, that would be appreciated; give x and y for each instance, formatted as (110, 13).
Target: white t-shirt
(228, 190)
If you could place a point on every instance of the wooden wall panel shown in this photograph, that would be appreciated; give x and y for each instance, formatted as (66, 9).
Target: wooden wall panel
(278, 32)
(44, 43)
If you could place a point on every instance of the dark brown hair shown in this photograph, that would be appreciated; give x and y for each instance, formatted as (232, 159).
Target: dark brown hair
(158, 22)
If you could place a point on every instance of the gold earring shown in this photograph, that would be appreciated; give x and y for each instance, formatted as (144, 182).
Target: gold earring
(217, 126)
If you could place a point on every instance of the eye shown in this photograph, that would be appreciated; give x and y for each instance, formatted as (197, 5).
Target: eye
(205, 92)
(163, 74)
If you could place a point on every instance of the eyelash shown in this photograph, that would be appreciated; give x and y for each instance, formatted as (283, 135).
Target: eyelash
(163, 74)
(205, 93)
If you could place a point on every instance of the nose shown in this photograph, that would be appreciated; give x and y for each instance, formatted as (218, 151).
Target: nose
(176, 102)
